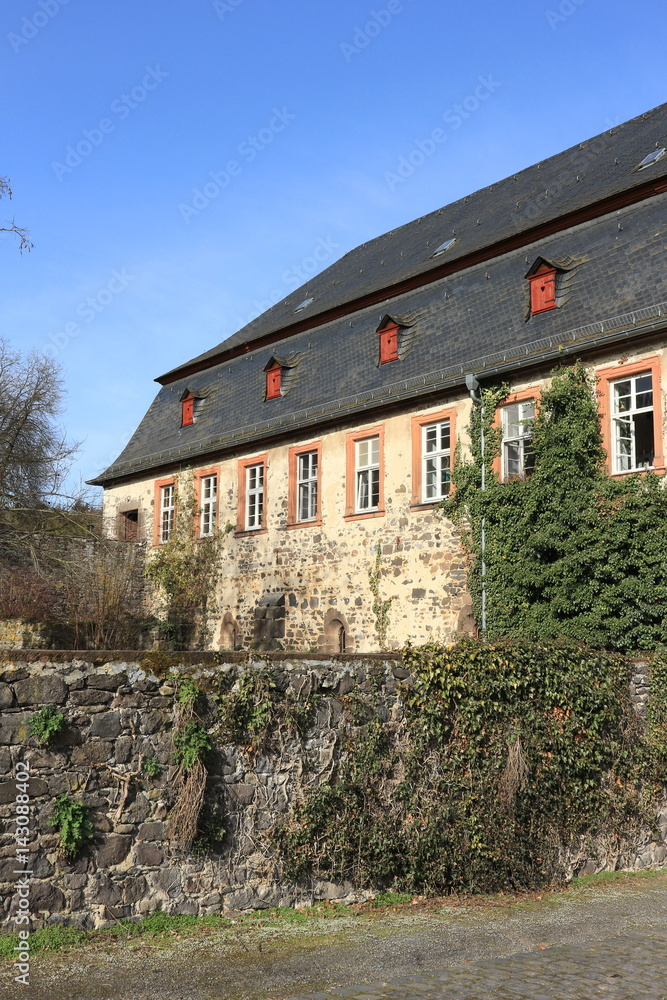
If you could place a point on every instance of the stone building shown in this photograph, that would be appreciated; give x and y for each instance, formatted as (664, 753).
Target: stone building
(324, 431)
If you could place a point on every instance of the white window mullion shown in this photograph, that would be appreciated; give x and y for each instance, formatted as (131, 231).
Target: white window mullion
(367, 474)
(209, 502)
(307, 486)
(632, 423)
(436, 461)
(167, 512)
(254, 496)
(517, 423)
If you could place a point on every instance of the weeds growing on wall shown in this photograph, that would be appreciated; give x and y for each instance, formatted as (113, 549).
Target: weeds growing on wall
(508, 753)
(186, 570)
(657, 705)
(46, 724)
(71, 820)
(261, 713)
(380, 608)
(570, 552)
(191, 746)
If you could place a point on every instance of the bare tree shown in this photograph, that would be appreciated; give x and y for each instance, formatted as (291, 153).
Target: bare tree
(25, 243)
(98, 588)
(34, 453)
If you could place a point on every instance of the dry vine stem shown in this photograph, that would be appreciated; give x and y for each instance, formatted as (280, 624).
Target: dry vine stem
(190, 787)
(514, 778)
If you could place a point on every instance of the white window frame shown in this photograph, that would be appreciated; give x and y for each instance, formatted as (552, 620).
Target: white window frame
(209, 505)
(366, 475)
(307, 485)
(519, 440)
(624, 419)
(167, 511)
(254, 496)
(440, 458)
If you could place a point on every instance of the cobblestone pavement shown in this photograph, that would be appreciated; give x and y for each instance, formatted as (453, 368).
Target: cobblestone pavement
(631, 967)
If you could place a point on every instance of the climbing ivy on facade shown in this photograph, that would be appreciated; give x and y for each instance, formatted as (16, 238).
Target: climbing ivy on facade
(570, 551)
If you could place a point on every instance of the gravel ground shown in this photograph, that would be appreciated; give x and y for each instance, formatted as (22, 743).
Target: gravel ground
(605, 940)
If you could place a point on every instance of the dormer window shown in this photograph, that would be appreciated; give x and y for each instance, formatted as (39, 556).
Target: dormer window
(278, 371)
(388, 342)
(542, 279)
(273, 381)
(188, 410)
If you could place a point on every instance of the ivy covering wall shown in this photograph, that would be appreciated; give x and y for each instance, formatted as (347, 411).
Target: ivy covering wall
(570, 552)
(509, 754)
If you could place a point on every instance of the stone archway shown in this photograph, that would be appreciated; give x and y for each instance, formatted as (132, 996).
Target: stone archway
(336, 637)
(230, 636)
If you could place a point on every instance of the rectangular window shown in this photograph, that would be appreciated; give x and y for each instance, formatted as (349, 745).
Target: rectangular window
(633, 440)
(254, 497)
(517, 447)
(167, 511)
(436, 461)
(367, 474)
(209, 503)
(307, 480)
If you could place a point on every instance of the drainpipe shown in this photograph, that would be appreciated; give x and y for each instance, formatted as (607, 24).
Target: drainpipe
(472, 385)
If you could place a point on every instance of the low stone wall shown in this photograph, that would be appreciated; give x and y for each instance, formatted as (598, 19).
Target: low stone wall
(119, 713)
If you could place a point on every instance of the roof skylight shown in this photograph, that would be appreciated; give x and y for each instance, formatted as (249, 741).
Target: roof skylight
(304, 305)
(652, 158)
(444, 246)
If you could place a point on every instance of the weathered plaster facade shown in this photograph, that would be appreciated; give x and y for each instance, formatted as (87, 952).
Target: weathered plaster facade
(323, 568)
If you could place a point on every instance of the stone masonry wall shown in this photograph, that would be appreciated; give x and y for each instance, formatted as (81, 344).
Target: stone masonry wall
(322, 567)
(15, 633)
(117, 714)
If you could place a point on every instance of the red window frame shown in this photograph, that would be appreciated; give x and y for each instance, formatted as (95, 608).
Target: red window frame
(543, 290)
(273, 382)
(188, 411)
(388, 343)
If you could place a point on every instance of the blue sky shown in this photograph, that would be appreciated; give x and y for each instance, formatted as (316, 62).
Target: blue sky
(178, 164)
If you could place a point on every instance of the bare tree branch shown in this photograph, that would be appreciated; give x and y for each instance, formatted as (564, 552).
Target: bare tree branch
(25, 243)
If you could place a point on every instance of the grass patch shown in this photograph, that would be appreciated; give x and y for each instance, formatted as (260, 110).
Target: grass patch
(161, 929)
(160, 926)
(615, 878)
(390, 898)
(46, 939)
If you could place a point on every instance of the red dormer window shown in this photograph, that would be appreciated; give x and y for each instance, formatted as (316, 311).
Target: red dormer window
(542, 289)
(273, 382)
(388, 343)
(188, 411)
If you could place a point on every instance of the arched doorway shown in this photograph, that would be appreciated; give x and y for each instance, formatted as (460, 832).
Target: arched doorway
(337, 638)
(229, 633)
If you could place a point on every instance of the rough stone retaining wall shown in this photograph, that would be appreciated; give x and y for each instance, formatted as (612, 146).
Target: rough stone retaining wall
(119, 713)
(15, 633)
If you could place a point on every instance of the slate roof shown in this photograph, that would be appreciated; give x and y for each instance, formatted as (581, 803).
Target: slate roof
(574, 179)
(612, 285)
